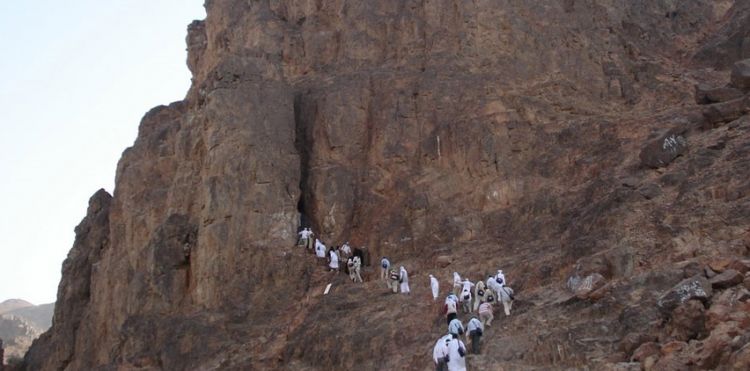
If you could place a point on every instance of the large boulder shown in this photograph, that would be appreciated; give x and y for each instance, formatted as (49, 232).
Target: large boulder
(728, 278)
(697, 287)
(719, 113)
(741, 75)
(663, 150)
(705, 94)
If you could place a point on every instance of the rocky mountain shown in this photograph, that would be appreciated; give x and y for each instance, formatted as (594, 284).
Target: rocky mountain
(20, 323)
(13, 304)
(596, 151)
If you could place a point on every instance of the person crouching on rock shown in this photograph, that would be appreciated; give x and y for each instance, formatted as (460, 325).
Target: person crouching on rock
(385, 265)
(394, 277)
(485, 314)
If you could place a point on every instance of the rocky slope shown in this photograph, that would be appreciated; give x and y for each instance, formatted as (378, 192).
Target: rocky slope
(20, 323)
(564, 142)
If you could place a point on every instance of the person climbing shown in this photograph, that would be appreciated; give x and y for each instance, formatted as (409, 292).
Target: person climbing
(479, 291)
(485, 313)
(465, 296)
(474, 330)
(435, 286)
(346, 249)
(394, 277)
(500, 278)
(404, 280)
(303, 235)
(385, 265)
(440, 353)
(310, 239)
(320, 249)
(450, 308)
(455, 327)
(333, 260)
(505, 296)
(357, 269)
(456, 354)
(456, 283)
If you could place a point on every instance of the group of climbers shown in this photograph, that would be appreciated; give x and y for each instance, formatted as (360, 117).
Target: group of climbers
(394, 280)
(333, 256)
(449, 351)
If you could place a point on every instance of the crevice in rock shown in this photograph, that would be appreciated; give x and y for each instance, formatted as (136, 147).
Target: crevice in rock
(303, 145)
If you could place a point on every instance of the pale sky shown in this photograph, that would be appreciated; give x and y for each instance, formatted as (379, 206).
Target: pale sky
(78, 75)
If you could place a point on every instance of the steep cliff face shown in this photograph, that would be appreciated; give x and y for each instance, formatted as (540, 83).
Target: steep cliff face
(497, 133)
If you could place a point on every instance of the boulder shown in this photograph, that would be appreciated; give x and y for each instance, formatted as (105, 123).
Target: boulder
(696, 287)
(662, 151)
(746, 283)
(444, 260)
(719, 265)
(719, 113)
(691, 269)
(672, 347)
(740, 360)
(740, 78)
(728, 278)
(650, 190)
(687, 321)
(646, 350)
(705, 94)
(634, 340)
(584, 287)
(742, 266)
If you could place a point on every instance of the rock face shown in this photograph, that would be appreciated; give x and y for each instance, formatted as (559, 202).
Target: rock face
(449, 136)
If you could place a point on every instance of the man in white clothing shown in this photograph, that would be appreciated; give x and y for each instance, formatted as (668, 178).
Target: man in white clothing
(385, 265)
(457, 283)
(404, 280)
(334, 261)
(346, 249)
(465, 296)
(440, 353)
(456, 355)
(435, 286)
(500, 278)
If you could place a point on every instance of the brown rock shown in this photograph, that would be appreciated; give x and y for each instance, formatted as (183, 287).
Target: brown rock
(2, 356)
(719, 265)
(672, 347)
(728, 278)
(444, 260)
(715, 349)
(741, 75)
(742, 266)
(719, 113)
(740, 360)
(633, 340)
(746, 283)
(663, 150)
(687, 321)
(646, 350)
(691, 269)
(706, 95)
(717, 314)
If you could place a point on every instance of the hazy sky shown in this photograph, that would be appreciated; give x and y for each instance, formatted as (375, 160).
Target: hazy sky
(78, 75)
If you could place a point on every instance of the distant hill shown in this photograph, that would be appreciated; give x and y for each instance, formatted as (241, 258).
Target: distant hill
(13, 304)
(21, 322)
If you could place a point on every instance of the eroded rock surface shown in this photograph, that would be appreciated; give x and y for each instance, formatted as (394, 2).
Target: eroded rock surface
(449, 136)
